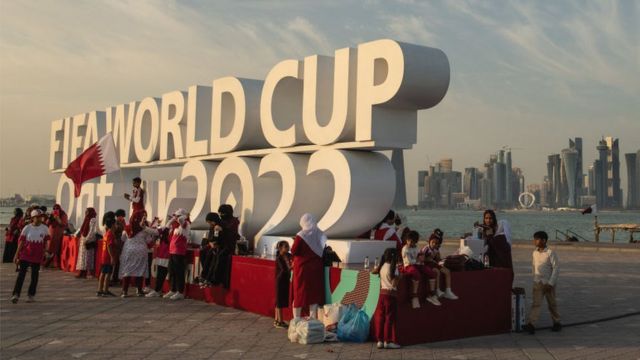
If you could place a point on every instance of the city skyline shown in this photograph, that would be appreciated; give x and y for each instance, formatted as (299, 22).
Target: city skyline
(519, 77)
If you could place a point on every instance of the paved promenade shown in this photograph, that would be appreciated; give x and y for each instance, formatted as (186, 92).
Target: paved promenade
(69, 322)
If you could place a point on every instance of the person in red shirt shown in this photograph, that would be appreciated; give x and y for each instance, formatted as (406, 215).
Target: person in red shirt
(58, 222)
(107, 257)
(308, 269)
(386, 231)
(181, 230)
(30, 253)
(137, 196)
(11, 235)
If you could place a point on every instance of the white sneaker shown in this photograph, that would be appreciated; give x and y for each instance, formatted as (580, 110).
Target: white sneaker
(31, 299)
(415, 303)
(153, 294)
(391, 346)
(439, 293)
(380, 345)
(434, 300)
(177, 296)
(147, 290)
(450, 295)
(169, 295)
(14, 299)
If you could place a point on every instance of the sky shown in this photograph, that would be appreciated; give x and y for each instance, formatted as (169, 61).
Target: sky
(524, 74)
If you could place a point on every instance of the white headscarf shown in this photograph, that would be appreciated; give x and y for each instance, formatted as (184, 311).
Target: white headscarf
(504, 229)
(311, 234)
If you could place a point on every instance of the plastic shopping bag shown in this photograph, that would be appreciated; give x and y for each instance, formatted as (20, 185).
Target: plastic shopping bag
(310, 331)
(332, 314)
(354, 325)
(291, 332)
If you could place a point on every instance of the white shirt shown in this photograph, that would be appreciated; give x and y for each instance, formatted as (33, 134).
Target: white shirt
(386, 283)
(409, 255)
(545, 267)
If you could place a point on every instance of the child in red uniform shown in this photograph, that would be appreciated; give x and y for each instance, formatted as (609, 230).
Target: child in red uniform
(181, 229)
(385, 315)
(162, 262)
(432, 260)
(107, 258)
(283, 275)
(137, 196)
(415, 270)
(387, 230)
(29, 254)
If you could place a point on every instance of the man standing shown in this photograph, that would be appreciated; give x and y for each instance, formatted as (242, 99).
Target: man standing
(137, 196)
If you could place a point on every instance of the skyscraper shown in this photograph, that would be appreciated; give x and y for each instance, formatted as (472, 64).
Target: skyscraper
(614, 192)
(576, 144)
(471, 183)
(554, 175)
(508, 180)
(570, 162)
(600, 167)
(633, 180)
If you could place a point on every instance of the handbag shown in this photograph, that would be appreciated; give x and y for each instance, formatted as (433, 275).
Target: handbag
(455, 262)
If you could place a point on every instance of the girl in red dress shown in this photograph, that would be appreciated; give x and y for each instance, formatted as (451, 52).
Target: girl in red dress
(308, 269)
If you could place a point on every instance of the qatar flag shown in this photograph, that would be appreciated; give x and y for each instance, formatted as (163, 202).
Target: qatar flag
(99, 159)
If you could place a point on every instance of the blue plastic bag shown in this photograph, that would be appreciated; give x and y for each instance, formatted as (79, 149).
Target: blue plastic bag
(354, 325)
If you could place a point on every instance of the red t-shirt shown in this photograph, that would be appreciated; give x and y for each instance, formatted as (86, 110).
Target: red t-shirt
(33, 238)
(107, 243)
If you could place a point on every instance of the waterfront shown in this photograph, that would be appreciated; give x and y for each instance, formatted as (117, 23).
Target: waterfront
(454, 223)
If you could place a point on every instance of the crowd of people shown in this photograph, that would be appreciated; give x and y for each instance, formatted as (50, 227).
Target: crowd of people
(128, 249)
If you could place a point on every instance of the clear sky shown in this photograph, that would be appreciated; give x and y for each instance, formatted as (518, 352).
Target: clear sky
(525, 74)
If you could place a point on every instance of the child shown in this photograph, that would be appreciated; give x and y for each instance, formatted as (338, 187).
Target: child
(107, 258)
(162, 262)
(545, 277)
(415, 270)
(29, 254)
(181, 229)
(387, 302)
(283, 275)
(432, 259)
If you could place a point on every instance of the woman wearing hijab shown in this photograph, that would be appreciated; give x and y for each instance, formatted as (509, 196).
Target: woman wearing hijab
(231, 224)
(87, 244)
(58, 222)
(308, 269)
(133, 260)
(11, 235)
(180, 233)
(489, 224)
(499, 247)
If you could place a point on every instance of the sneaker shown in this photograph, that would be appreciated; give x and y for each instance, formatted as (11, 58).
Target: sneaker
(124, 295)
(108, 294)
(99, 294)
(440, 293)
(391, 346)
(139, 293)
(450, 295)
(380, 345)
(434, 300)
(556, 327)
(280, 324)
(415, 303)
(31, 299)
(14, 299)
(529, 328)
(169, 294)
(146, 290)
(177, 296)
(153, 294)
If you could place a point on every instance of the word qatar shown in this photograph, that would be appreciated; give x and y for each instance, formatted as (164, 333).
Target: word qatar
(303, 140)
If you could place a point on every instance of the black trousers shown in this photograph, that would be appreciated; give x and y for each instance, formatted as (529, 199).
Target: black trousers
(22, 272)
(149, 261)
(9, 251)
(177, 267)
(161, 276)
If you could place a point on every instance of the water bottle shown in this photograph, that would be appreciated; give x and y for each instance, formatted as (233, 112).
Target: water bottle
(366, 263)
(264, 250)
(485, 260)
(376, 263)
(372, 235)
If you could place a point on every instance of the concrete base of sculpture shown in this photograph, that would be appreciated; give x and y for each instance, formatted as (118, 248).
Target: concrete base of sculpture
(350, 251)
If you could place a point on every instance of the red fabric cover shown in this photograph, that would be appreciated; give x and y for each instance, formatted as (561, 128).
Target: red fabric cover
(483, 308)
(308, 275)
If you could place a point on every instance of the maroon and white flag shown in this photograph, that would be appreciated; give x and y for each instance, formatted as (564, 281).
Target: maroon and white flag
(99, 159)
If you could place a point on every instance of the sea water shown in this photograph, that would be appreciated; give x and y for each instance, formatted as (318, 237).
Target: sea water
(455, 223)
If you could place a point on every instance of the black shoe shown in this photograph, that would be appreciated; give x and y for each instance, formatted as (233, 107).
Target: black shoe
(108, 294)
(100, 294)
(529, 328)
(556, 327)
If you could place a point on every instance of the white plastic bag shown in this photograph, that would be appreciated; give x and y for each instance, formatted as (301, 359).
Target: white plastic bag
(292, 333)
(310, 331)
(332, 314)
